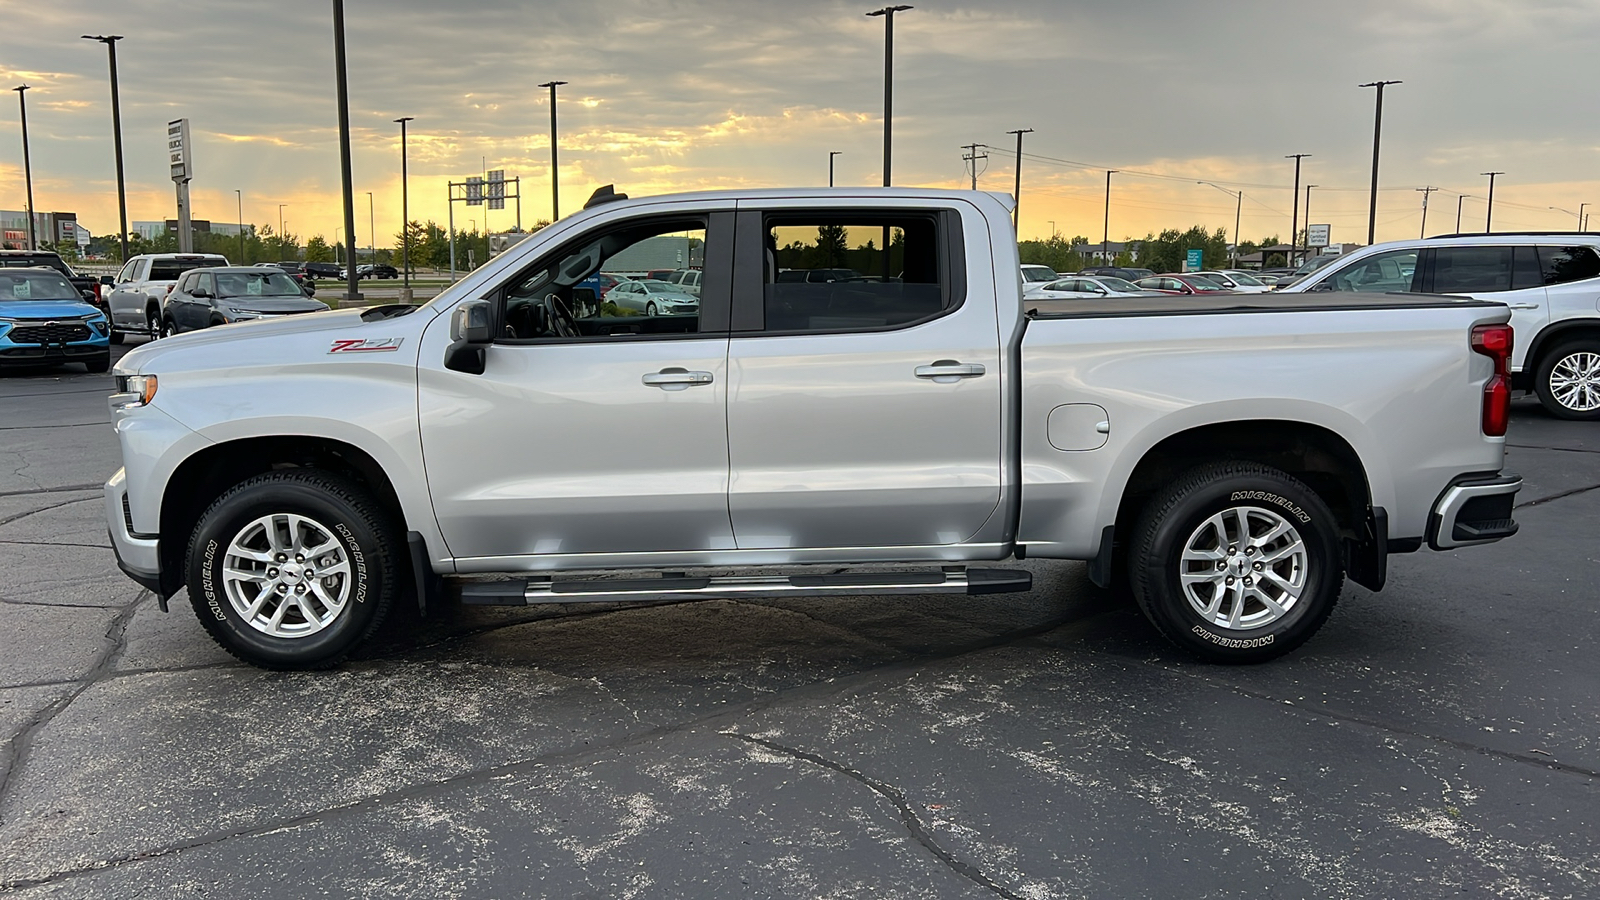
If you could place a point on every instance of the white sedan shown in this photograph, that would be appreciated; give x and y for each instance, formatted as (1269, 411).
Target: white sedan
(1084, 287)
(653, 298)
(1238, 282)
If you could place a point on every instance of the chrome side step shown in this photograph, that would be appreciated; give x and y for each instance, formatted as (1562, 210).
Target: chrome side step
(681, 586)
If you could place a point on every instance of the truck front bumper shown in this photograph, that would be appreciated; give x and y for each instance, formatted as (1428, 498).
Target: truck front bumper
(1474, 509)
(138, 555)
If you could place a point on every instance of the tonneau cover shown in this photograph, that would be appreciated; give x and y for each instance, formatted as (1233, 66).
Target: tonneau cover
(1174, 304)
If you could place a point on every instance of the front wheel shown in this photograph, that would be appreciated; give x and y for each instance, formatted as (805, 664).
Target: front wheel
(168, 327)
(98, 366)
(1236, 562)
(650, 309)
(115, 337)
(292, 569)
(1568, 380)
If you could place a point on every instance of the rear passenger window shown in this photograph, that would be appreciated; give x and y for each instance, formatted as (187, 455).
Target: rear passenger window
(1471, 270)
(1525, 272)
(1564, 264)
(833, 273)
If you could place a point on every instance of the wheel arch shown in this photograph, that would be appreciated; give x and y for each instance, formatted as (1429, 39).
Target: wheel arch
(1550, 337)
(205, 475)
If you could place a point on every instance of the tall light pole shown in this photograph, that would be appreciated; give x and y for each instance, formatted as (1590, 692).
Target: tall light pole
(1105, 240)
(405, 209)
(1569, 212)
(888, 82)
(1016, 209)
(1238, 212)
(350, 292)
(239, 195)
(1458, 211)
(280, 229)
(372, 233)
(1425, 191)
(1488, 215)
(27, 165)
(555, 176)
(1294, 223)
(831, 155)
(110, 40)
(1377, 132)
(1308, 216)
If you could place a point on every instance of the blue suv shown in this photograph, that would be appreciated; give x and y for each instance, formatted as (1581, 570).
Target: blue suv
(45, 321)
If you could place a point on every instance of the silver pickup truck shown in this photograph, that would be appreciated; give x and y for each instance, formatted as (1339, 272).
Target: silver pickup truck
(897, 429)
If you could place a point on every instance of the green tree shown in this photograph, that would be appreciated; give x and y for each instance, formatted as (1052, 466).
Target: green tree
(1166, 252)
(318, 249)
(1059, 253)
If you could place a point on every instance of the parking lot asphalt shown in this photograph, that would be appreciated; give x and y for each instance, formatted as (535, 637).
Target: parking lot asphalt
(1439, 738)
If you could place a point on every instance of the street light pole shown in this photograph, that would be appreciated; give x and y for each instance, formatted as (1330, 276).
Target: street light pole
(405, 210)
(1377, 132)
(239, 195)
(1580, 215)
(372, 234)
(1308, 217)
(1238, 212)
(555, 177)
(888, 82)
(280, 229)
(27, 165)
(1458, 211)
(1488, 215)
(1105, 240)
(831, 155)
(110, 40)
(1294, 223)
(1016, 209)
(350, 292)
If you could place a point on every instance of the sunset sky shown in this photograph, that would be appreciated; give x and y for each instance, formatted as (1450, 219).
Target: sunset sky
(670, 95)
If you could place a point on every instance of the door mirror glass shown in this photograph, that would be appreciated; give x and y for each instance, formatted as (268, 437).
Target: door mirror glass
(470, 323)
(107, 280)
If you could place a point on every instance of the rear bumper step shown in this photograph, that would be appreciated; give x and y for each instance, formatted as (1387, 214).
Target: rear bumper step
(678, 586)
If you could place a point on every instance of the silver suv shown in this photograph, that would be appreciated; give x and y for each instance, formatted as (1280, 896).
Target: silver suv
(1551, 281)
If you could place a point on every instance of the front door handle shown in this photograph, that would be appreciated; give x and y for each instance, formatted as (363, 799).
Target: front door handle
(1524, 306)
(948, 371)
(674, 378)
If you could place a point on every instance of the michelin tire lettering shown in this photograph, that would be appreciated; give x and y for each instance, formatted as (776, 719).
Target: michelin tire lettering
(1275, 500)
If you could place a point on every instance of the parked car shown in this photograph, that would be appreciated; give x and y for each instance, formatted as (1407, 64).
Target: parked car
(134, 303)
(662, 274)
(1181, 283)
(1126, 273)
(45, 320)
(819, 276)
(294, 271)
(203, 298)
(1235, 459)
(1237, 282)
(686, 280)
(601, 283)
(382, 271)
(324, 270)
(1551, 282)
(1035, 275)
(1084, 286)
(88, 287)
(653, 298)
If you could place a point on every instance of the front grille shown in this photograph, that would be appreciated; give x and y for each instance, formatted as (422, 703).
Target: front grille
(54, 333)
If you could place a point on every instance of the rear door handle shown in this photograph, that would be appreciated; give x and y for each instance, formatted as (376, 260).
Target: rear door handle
(674, 378)
(948, 371)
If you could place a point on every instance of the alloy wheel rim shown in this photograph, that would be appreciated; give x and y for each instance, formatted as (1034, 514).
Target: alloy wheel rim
(1575, 381)
(1243, 568)
(286, 575)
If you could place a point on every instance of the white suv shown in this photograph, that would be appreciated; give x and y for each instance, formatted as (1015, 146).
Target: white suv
(1551, 281)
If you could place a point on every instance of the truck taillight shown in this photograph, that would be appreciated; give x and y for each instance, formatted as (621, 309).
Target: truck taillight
(1494, 341)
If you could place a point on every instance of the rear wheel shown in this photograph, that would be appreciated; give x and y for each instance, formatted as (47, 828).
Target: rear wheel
(1236, 562)
(1568, 380)
(152, 321)
(292, 569)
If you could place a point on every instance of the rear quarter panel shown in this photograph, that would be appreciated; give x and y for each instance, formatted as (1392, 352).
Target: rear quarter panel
(1401, 386)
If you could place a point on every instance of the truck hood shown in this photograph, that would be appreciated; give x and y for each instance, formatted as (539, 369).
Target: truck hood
(46, 309)
(247, 337)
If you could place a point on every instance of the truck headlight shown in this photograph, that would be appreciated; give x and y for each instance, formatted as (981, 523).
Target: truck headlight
(133, 391)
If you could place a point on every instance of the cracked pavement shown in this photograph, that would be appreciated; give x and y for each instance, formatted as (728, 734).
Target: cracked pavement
(1440, 737)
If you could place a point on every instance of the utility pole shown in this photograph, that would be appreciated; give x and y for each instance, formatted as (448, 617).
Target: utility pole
(372, 235)
(888, 88)
(1016, 210)
(1308, 217)
(1294, 223)
(1425, 191)
(1458, 211)
(27, 165)
(1488, 215)
(1580, 215)
(1377, 133)
(239, 194)
(348, 187)
(110, 40)
(831, 155)
(280, 229)
(405, 214)
(555, 172)
(1105, 240)
(972, 158)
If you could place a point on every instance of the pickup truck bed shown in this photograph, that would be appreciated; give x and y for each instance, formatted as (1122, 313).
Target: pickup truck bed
(1209, 304)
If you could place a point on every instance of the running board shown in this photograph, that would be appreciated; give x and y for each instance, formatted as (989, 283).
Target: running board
(678, 586)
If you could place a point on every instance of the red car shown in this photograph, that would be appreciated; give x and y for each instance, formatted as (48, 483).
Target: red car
(1181, 284)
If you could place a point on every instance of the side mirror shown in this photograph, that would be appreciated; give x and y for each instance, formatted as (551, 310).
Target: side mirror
(108, 281)
(200, 294)
(87, 295)
(472, 333)
(1322, 286)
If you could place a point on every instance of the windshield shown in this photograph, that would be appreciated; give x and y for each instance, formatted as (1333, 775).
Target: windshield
(1119, 285)
(170, 269)
(1313, 264)
(1246, 280)
(19, 285)
(257, 284)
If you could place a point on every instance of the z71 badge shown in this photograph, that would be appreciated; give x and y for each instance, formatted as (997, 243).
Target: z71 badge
(365, 345)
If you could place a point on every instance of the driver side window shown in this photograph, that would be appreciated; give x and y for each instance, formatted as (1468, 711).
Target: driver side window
(1381, 273)
(597, 288)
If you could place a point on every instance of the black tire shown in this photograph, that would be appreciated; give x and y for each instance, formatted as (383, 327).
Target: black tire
(99, 366)
(152, 321)
(1568, 352)
(355, 530)
(650, 308)
(115, 337)
(1183, 512)
(168, 327)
